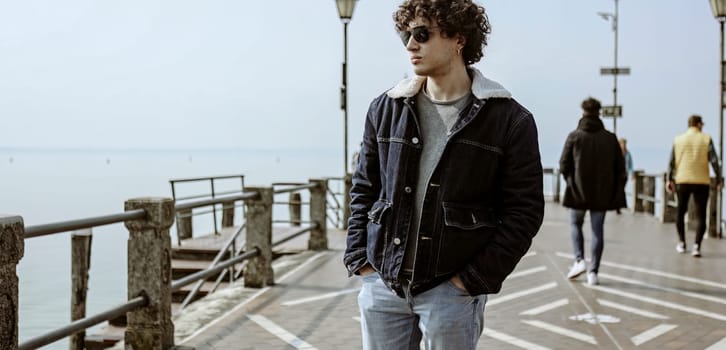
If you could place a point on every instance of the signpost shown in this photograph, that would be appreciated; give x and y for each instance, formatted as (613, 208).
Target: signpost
(612, 111)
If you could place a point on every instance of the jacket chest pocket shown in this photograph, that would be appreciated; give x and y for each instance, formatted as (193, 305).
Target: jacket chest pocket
(466, 230)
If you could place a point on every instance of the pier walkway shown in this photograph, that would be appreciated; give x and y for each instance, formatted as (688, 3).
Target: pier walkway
(650, 297)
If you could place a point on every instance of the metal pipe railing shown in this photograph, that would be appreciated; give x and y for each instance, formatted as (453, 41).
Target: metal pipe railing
(65, 226)
(295, 234)
(187, 280)
(295, 188)
(216, 200)
(84, 323)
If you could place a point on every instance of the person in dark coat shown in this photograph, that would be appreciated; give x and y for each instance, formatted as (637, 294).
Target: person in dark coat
(594, 169)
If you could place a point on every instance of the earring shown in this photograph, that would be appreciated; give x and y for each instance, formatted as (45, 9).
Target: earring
(458, 51)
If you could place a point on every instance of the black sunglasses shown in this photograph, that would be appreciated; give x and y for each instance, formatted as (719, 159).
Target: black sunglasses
(421, 34)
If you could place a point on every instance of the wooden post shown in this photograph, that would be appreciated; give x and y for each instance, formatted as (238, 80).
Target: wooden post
(149, 274)
(184, 224)
(668, 213)
(712, 213)
(227, 214)
(318, 215)
(259, 236)
(295, 207)
(348, 180)
(649, 190)
(80, 264)
(637, 189)
(12, 247)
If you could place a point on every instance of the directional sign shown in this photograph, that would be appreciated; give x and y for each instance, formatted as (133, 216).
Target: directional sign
(615, 71)
(612, 111)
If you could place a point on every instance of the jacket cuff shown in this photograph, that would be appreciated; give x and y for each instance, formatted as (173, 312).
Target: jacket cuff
(471, 280)
(355, 261)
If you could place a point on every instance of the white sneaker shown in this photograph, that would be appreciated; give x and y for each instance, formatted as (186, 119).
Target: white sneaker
(592, 279)
(681, 247)
(577, 269)
(696, 251)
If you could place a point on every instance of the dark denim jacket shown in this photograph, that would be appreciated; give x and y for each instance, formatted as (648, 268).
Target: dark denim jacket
(483, 204)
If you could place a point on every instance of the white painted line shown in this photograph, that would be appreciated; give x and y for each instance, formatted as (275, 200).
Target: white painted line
(527, 272)
(652, 272)
(356, 318)
(666, 289)
(525, 292)
(721, 345)
(320, 297)
(546, 307)
(530, 254)
(659, 302)
(632, 310)
(652, 333)
(562, 331)
(279, 332)
(252, 297)
(512, 340)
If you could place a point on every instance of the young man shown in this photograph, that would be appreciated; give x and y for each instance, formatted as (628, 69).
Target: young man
(688, 174)
(593, 166)
(447, 194)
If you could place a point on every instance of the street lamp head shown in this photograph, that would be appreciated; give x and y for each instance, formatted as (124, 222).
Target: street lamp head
(718, 7)
(345, 9)
(605, 15)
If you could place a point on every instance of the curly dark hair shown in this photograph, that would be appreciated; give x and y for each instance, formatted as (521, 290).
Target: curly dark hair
(591, 107)
(453, 17)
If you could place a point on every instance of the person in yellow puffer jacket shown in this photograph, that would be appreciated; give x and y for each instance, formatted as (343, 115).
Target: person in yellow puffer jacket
(688, 175)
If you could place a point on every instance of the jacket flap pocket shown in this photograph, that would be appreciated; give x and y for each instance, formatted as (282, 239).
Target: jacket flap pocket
(468, 218)
(377, 210)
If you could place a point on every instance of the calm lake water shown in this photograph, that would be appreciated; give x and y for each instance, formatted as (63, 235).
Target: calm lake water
(45, 186)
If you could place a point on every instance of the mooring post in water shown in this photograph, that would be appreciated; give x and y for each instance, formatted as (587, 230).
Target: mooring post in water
(318, 215)
(80, 264)
(12, 247)
(149, 274)
(259, 236)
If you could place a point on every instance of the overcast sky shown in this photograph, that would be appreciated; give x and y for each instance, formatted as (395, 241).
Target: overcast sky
(266, 74)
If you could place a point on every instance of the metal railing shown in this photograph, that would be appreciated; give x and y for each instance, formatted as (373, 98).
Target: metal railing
(184, 217)
(146, 215)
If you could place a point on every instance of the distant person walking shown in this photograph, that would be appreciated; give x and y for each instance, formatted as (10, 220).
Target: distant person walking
(688, 175)
(593, 166)
(447, 194)
(628, 161)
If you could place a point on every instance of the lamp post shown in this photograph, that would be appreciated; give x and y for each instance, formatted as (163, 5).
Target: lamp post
(614, 17)
(719, 11)
(345, 11)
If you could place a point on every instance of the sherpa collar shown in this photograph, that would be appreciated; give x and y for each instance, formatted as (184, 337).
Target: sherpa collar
(481, 87)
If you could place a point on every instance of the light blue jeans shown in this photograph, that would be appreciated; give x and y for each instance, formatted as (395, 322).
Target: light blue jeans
(446, 317)
(597, 220)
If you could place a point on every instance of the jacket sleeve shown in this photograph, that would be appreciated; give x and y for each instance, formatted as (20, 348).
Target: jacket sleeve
(521, 209)
(364, 191)
(567, 162)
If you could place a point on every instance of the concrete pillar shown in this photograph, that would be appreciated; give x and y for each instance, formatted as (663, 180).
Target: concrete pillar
(318, 215)
(80, 264)
(227, 214)
(649, 190)
(556, 185)
(12, 248)
(259, 235)
(184, 224)
(149, 273)
(637, 189)
(348, 183)
(668, 213)
(295, 207)
(712, 211)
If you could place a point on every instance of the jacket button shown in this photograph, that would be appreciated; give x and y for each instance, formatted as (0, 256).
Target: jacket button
(407, 189)
(415, 140)
(396, 241)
